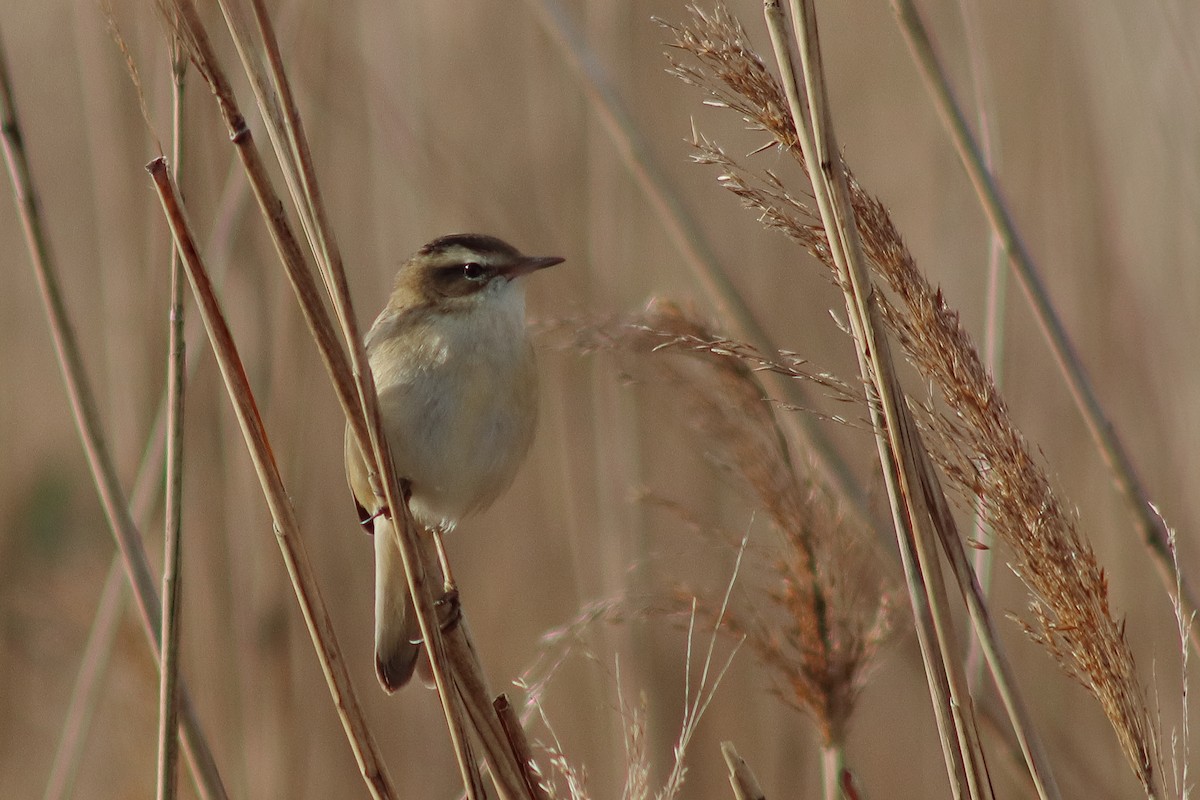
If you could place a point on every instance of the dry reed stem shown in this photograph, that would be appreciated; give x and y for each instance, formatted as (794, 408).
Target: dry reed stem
(168, 697)
(919, 510)
(520, 747)
(741, 777)
(1150, 524)
(1070, 594)
(282, 513)
(83, 408)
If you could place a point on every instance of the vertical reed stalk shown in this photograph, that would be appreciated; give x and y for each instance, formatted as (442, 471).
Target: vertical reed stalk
(918, 506)
(168, 697)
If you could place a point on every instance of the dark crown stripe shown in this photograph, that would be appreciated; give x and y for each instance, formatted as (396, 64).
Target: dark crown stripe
(476, 242)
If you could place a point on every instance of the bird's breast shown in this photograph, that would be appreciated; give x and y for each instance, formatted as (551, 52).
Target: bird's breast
(459, 397)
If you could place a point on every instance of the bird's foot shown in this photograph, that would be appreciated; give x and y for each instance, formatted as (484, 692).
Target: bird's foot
(449, 610)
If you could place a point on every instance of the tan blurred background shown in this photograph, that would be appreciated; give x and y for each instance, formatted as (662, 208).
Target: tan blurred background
(428, 118)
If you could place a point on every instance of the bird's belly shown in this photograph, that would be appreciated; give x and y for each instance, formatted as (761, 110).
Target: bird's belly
(460, 429)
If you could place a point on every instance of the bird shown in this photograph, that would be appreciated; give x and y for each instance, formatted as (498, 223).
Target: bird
(457, 382)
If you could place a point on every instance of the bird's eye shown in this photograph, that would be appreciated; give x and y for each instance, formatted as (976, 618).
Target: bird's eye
(473, 272)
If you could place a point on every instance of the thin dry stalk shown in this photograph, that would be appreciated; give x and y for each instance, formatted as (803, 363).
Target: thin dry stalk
(1181, 744)
(168, 699)
(695, 705)
(83, 407)
(919, 510)
(637, 760)
(695, 708)
(286, 526)
(1150, 524)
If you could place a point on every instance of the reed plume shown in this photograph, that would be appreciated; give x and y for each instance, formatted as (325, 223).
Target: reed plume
(982, 451)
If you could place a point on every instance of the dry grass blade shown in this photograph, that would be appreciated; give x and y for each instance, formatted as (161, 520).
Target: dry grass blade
(1153, 530)
(286, 526)
(83, 407)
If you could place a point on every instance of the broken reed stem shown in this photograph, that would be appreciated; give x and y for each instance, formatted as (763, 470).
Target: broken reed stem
(87, 421)
(456, 668)
(693, 246)
(168, 741)
(914, 491)
(287, 530)
(1150, 525)
(741, 777)
(521, 750)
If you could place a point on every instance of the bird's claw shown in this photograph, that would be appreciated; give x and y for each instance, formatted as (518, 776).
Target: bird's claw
(449, 609)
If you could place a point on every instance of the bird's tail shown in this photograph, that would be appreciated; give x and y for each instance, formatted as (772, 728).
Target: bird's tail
(396, 626)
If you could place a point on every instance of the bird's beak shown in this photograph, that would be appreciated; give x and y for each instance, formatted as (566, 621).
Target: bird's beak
(530, 264)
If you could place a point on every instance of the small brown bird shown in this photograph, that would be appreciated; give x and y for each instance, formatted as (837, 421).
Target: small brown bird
(457, 384)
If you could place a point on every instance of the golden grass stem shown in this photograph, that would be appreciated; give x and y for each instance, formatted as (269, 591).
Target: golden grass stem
(283, 514)
(168, 695)
(689, 239)
(1149, 524)
(918, 506)
(83, 408)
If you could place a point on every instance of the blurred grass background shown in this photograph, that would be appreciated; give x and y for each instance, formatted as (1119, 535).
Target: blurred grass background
(427, 118)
